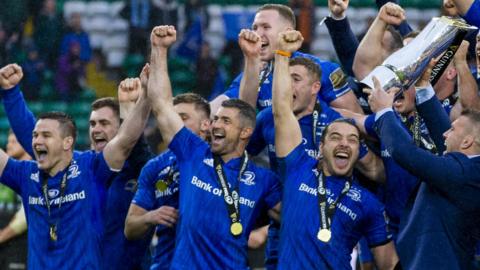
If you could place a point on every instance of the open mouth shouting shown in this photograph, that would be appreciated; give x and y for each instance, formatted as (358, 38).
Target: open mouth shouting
(341, 158)
(99, 142)
(41, 153)
(218, 136)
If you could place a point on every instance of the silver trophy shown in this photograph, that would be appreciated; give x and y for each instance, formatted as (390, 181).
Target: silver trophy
(405, 66)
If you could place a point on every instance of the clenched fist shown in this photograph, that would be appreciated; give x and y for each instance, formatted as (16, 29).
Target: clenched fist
(10, 75)
(163, 36)
(249, 42)
(337, 8)
(129, 90)
(392, 14)
(290, 40)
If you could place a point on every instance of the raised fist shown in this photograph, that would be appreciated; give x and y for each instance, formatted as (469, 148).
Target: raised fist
(129, 90)
(249, 42)
(163, 36)
(290, 40)
(10, 75)
(392, 14)
(337, 8)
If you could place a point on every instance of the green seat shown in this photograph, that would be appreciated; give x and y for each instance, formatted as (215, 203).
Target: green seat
(36, 107)
(81, 109)
(59, 106)
(4, 124)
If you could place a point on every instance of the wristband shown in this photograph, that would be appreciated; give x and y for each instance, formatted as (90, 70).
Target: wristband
(283, 53)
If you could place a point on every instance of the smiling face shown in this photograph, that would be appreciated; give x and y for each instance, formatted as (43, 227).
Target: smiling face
(305, 88)
(225, 131)
(340, 148)
(268, 24)
(104, 125)
(49, 144)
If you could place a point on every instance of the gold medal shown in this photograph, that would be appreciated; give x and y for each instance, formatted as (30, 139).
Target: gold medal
(53, 233)
(236, 228)
(324, 235)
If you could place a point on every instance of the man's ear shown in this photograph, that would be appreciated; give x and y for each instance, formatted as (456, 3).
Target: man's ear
(246, 133)
(68, 143)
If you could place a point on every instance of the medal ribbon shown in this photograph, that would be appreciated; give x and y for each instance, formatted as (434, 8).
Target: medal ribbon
(231, 199)
(317, 110)
(63, 187)
(326, 215)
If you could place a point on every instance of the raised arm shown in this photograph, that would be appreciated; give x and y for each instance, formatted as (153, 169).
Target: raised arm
(461, 5)
(287, 130)
(370, 52)
(344, 40)
(159, 87)
(21, 119)
(250, 43)
(118, 149)
(467, 85)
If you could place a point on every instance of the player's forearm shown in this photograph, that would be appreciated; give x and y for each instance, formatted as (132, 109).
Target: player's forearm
(136, 226)
(368, 54)
(467, 87)
(159, 84)
(250, 82)
(282, 88)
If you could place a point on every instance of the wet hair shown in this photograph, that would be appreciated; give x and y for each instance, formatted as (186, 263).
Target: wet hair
(284, 11)
(348, 121)
(109, 102)
(66, 123)
(474, 117)
(191, 98)
(310, 65)
(246, 112)
(397, 41)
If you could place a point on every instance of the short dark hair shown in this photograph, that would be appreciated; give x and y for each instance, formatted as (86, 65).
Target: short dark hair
(397, 40)
(472, 115)
(348, 121)
(309, 64)
(109, 102)
(284, 11)
(245, 111)
(412, 34)
(66, 123)
(191, 98)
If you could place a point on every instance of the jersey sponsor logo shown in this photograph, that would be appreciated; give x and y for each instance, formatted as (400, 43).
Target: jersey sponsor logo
(52, 193)
(338, 79)
(265, 102)
(385, 153)
(166, 192)
(271, 148)
(208, 161)
(313, 191)
(304, 141)
(311, 152)
(218, 192)
(34, 177)
(247, 178)
(64, 199)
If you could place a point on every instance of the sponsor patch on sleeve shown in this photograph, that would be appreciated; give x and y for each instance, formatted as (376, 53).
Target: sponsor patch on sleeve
(338, 79)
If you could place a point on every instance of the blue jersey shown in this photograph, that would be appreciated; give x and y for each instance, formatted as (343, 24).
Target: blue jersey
(80, 223)
(264, 135)
(399, 190)
(334, 83)
(203, 239)
(472, 14)
(117, 252)
(358, 214)
(158, 186)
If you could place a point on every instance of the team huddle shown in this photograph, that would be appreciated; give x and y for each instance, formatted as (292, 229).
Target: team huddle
(204, 198)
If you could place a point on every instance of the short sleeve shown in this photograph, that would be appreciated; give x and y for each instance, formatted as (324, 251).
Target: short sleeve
(376, 228)
(145, 195)
(233, 90)
(274, 193)
(289, 166)
(184, 143)
(101, 170)
(257, 141)
(15, 175)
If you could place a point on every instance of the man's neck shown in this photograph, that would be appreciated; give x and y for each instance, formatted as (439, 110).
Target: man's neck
(61, 165)
(232, 155)
(308, 110)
